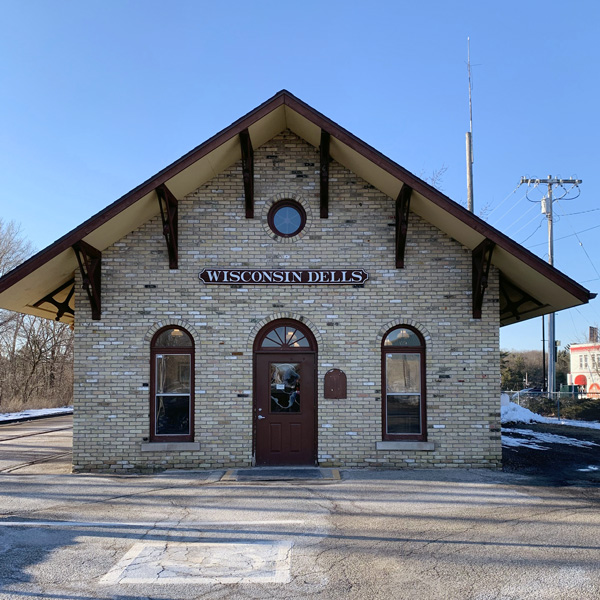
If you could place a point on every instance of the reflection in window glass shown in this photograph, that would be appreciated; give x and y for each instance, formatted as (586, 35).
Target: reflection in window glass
(172, 404)
(285, 387)
(403, 373)
(173, 373)
(172, 415)
(403, 393)
(285, 337)
(173, 338)
(402, 337)
(403, 414)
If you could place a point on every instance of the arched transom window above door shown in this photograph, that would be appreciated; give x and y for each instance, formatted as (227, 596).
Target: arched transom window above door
(286, 336)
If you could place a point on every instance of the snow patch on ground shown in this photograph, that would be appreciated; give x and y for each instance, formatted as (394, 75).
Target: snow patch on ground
(514, 438)
(513, 413)
(533, 439)
(39, 412)
(511, 442)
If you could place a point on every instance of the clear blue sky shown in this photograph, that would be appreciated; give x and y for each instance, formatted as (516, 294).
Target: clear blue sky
(97, 96)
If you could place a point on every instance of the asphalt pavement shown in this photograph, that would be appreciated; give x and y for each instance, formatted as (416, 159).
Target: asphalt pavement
(431, 534)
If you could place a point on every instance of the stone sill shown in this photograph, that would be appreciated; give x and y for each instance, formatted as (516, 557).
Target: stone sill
(405, 446)
(170, 446)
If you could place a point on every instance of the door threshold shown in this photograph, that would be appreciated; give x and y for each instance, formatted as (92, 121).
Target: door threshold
(291, 473)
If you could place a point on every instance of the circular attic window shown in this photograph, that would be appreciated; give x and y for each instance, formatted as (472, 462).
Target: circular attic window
(287, 218)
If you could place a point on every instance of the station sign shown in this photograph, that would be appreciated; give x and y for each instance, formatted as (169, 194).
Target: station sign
(283, 276)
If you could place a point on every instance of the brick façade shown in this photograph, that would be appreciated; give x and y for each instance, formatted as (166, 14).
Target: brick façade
(432, 293)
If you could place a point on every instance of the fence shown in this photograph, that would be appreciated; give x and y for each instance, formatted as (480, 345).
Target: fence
(559, 405)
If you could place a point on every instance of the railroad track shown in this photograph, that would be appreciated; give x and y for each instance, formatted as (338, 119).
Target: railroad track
(35, 462)
(15, 437)
(17, 452)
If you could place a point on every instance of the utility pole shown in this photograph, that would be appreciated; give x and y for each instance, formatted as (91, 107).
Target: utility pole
(470, 205)
(547, 210)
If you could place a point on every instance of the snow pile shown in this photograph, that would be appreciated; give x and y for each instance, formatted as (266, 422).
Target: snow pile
(35, 413)
(513, 413)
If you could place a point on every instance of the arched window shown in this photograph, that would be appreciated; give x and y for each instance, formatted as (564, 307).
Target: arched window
(403, 385)
(285, 335)
(172, 385)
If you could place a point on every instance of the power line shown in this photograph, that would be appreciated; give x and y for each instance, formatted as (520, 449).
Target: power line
(583, 212)
(503, 201)
(564, 237)
(583, 247)
(534, 231)
(511, 208)
(522, 217)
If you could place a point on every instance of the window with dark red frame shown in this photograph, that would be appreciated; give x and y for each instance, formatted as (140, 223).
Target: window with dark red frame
(403, 385)
(172, 386)
(287, 218)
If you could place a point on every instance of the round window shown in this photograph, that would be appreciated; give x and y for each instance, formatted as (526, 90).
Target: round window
(287, 218)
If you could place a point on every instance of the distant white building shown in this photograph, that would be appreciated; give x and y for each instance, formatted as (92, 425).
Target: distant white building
(585, 364)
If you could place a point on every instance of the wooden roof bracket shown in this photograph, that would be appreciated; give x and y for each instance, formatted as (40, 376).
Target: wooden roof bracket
(481, 260)
(248, 171)
(513, 306)
(90, 265)
(61, 307)
(324, 183)
(402, 211)
(169, 215)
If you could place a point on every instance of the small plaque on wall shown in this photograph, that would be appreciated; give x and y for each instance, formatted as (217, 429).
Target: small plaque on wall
(335, 384)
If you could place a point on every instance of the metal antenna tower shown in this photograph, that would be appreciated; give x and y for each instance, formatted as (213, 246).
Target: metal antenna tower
(470, 205)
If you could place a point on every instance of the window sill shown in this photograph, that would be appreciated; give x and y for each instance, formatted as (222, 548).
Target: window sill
(405, 445)
(170, 446)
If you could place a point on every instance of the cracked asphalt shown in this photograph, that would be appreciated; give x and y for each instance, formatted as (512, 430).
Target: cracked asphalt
(436, 534)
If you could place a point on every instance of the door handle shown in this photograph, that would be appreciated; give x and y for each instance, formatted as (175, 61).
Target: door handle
(261, 417)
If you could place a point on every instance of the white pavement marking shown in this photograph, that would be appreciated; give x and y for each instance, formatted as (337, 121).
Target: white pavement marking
(203, 563)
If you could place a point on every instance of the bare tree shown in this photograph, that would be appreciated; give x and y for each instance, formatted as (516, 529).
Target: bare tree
(14, 249)
(36, 355)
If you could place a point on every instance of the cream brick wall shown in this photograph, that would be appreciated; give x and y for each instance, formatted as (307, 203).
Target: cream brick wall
(432, 293)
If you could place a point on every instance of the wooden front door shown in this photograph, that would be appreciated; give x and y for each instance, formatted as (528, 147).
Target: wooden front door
(285, 395)
(285, 409)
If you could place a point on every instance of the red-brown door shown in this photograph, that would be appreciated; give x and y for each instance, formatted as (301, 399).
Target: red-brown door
(285, 408)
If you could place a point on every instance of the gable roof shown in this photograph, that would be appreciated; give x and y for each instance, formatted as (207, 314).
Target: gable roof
(529, 286)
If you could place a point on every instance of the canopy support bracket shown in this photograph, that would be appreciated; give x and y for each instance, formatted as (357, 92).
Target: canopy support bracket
(324, 177)
(169, 215)
(481, 261)
(510, 306)
(90, 266)
(61, 307)
(402, 211)
(248, 171)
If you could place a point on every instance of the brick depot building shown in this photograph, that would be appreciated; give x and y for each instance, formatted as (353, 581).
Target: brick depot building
(284, 294)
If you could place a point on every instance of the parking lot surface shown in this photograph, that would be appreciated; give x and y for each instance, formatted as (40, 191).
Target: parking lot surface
(454, 534)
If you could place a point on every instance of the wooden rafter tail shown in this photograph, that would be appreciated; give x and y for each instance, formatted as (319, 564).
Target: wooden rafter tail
(90, 266)
(402, 212)
(481, 261)
(63, 307)
(169, 214)
(324, 177)
(248, 171)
